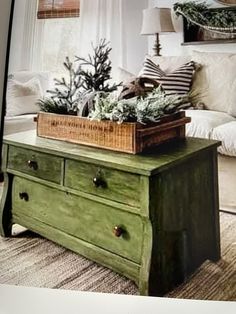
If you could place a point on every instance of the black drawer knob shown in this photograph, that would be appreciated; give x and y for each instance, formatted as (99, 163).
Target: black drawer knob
(33, 164)
(98, 182)
(24, 196)
(118, 231)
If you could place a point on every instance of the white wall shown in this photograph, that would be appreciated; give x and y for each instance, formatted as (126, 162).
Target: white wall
(171, 43)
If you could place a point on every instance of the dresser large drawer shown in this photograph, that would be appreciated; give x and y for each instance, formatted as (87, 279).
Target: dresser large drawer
(106, 227)
(37, 164)
(120, 186)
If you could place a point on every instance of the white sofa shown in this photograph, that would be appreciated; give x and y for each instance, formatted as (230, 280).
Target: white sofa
(214, 85)
(24, 88)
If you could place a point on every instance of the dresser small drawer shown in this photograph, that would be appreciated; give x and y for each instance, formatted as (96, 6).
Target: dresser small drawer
(101, 225)
(37, 164)
(120, 186)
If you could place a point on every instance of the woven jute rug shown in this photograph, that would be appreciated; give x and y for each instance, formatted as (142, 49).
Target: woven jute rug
(29, 260)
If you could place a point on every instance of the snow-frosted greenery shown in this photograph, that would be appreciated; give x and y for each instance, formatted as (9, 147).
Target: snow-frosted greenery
(199, 12)
(143, 110)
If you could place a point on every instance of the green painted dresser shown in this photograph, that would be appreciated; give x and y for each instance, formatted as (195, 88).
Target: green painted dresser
(153, 217)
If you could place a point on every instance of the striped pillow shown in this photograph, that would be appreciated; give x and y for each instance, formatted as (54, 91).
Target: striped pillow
(177, 82)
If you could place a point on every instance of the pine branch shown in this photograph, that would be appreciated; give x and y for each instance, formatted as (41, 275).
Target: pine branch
(50, 105)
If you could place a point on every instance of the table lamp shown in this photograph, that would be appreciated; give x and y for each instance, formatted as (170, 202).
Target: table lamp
(157, 21)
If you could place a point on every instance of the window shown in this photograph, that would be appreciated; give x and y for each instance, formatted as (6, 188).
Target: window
(60, 39)
(58, 8)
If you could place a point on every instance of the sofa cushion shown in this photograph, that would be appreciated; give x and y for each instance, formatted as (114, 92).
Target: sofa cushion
(25, 76)
(226, 133)
(214, 82)
(232, 108)
(19, 123)
(123, 75)
(22, 97)
(203, 122)
(176, 82)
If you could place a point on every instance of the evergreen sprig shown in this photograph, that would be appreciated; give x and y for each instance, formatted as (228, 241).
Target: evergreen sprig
(52, 106)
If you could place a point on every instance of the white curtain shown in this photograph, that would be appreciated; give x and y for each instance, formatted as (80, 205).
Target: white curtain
(102, 19)
(119, 22)
(26, 52)
(29, 34)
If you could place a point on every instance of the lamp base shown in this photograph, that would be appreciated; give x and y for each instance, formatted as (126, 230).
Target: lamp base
(157, 46)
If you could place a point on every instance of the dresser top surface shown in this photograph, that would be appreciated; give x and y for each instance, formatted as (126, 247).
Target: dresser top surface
(147, 163)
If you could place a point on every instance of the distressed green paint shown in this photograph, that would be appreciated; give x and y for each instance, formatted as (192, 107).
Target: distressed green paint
(5, 207)
(49, 167)
(183, 219)
(120, 186)
(145, 163)
(79, 217)
(99, 255)
(85, 195)
(4, 157)
(168, 204)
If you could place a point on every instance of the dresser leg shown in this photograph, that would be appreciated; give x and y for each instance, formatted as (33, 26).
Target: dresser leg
(5, 207)
(146, 258)
(216, 254)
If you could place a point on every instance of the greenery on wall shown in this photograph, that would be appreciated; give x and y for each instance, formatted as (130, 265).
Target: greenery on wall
(200, 14)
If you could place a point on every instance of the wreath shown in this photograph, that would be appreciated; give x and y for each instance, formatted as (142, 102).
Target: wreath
(221, 21)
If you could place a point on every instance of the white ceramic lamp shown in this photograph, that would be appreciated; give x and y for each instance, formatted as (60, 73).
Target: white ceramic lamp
(157, 21)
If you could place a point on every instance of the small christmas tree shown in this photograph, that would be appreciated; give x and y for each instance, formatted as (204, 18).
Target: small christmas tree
(66, 95)
(85, 80)
(96, 70)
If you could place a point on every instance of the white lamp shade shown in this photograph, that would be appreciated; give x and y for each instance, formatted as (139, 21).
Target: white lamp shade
(157, 20)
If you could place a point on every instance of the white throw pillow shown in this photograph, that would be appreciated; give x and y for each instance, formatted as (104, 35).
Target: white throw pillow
(45, 78)
(232, 107)
(124, 75)
(121, 76)
(215, 81)
(22, 97)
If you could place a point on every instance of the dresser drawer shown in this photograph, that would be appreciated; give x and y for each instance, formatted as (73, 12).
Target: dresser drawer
(37, 164)
(106, 227)
(120, 186)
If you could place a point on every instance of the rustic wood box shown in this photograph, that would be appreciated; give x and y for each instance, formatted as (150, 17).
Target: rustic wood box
(125, 137)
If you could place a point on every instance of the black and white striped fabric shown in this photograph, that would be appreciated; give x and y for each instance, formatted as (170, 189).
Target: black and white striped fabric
(177, 82)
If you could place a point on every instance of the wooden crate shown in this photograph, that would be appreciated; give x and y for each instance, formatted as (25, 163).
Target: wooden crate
(125, 137)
